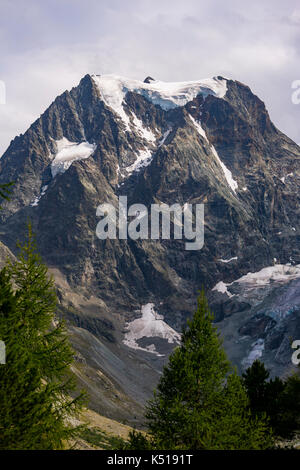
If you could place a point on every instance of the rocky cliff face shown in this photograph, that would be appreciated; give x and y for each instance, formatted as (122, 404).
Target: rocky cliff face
(208, 142)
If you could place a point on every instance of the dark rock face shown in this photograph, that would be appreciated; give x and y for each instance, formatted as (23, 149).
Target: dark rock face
(257, 326)
(149, 80)
(97, 326)
(252, 225)
(225, 308)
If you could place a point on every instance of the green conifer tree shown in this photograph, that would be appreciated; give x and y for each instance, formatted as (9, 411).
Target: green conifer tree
(24, 399)
(278, 398)
(200, 403)
(36, 384)
(36, 303)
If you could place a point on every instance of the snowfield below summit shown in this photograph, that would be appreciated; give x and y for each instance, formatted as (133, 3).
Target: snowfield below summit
(150, 325)
(145, 133)
(281, 273)
(38, 198)
(278, 273)
(68, 152)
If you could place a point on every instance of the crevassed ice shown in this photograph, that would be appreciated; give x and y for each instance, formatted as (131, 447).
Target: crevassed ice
(167, 95)
(68, 152)
(280, 273)
(150, 325)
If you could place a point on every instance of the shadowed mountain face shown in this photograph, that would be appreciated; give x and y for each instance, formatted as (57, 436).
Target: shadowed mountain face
(208, 142)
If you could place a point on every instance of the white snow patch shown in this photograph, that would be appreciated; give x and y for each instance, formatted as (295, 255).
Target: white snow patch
(119, 172)
(164, 137)
(280, 273)
(144, 159)
(38, 198)
(284, 177)
(228, 175)
(199, 128)
(145, 133)
(227, 260)
(277, 273)
(222, 287)
(167, 95)
(68, 152)
(255, 353)
(150, 325)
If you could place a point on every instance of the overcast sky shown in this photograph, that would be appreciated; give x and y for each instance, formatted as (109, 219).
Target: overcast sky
(48, 45)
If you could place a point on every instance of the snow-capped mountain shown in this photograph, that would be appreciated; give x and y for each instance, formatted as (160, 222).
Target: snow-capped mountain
(208, 141)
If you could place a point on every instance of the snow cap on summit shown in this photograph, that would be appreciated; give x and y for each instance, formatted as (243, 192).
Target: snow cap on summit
(167, 95)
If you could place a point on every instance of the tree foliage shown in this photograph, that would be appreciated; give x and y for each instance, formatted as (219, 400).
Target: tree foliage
(278, 398)
(36, 407)
(200, 402)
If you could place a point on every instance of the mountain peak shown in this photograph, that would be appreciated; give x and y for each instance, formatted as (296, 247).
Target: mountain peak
(167, 95)
(215, 146)
(149, 79)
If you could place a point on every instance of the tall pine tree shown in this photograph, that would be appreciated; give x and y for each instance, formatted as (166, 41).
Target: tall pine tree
(36, 383)
(200, 403)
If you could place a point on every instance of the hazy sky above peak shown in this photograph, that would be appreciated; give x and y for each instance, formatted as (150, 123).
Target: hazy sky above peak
(47, 46)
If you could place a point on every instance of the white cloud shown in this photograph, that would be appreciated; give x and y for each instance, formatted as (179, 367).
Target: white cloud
(46, 47)
(261, 57)
(295, 17)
